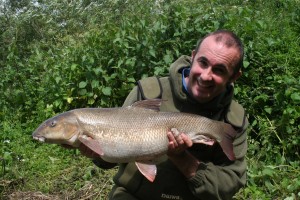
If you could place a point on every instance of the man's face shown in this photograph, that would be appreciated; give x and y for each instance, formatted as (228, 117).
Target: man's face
(212, 69)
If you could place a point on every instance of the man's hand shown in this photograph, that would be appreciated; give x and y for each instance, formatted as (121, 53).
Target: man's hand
(181, 158)
(84, 150)
(178, 142)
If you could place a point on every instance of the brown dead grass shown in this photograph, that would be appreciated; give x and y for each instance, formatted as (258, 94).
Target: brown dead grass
(31, 196)
(87, 192)
(97, 188)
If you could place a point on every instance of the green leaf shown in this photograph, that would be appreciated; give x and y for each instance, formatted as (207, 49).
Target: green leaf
(106, 91)
(97, 70)
(110, 61)
(268, 171)
(152, 53)
(268, 110)
(82, 84)
(167, 59)
(95, 84)
(295, 96)
(73, 67)
(82, 92)
(52, 159)
(57, 79)
(117, 40)
(91, 101)
(269, 185)
(246, 64)
(131, 80)
(69, 99)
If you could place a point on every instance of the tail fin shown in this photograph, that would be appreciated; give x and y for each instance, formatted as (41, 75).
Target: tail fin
(227, 141)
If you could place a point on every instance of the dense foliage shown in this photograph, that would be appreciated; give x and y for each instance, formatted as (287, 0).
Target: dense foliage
(59, 55)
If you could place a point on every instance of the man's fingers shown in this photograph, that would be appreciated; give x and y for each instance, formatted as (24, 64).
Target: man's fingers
(179, 139)
(172, 139)
(188, 142)
(178, 142)
(171, 145)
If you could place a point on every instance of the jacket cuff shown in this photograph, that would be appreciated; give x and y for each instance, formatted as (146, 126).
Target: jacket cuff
(197, 180)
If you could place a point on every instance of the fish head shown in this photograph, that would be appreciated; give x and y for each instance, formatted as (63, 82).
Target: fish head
(61, 129)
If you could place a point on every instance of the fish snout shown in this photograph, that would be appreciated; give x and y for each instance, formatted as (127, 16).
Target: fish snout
(38, 137)
(41, 139)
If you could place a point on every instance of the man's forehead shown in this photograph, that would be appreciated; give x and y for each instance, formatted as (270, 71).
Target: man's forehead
(223, 46)
(213, 40)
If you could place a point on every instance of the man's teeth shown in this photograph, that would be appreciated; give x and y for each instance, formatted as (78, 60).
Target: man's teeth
(203, 85)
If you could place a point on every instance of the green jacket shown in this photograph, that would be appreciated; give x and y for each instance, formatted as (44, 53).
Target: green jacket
(217, 177)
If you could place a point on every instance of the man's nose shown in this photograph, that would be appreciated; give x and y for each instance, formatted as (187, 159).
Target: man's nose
(206, 74)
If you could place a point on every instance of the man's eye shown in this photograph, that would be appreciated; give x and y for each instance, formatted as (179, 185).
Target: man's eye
(219, 71)
(202, 63)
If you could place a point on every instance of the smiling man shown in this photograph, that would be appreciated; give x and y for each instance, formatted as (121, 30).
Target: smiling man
(215, 64)
(201, 84)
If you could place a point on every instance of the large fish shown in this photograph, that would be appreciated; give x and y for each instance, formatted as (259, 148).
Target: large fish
(135, 133)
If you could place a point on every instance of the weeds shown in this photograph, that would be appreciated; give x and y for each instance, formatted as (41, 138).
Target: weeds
(59, 55)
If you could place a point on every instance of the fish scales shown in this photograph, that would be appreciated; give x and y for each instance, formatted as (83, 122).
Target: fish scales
(121, 132)
(121, 137)
(133, 133)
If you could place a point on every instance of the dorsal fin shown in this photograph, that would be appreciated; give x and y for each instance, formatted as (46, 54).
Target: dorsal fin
(153, 104)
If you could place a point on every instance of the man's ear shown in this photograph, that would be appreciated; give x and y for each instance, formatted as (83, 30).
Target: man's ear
(193, 54)
(236, 76)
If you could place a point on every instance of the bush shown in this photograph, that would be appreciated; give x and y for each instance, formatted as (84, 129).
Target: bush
(60, 55)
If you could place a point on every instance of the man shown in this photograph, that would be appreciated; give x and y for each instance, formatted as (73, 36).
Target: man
(201, 84)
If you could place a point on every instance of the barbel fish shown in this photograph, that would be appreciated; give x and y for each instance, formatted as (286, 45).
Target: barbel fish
(137, 133)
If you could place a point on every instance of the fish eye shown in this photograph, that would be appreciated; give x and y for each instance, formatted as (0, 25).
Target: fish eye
(53, 123)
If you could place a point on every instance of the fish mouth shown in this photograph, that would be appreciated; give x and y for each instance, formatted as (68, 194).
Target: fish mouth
(39, 138)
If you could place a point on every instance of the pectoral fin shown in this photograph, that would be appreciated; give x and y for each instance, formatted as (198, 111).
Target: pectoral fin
(148, 170)
(91, 143)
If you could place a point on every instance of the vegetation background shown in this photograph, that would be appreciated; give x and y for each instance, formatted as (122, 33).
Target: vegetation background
(62, 54)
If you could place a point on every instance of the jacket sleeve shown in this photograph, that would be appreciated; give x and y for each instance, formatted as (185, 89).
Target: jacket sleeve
(222, 181)
(132, 97)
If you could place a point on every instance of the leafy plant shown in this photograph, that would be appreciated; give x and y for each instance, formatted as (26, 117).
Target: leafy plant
(60, 55)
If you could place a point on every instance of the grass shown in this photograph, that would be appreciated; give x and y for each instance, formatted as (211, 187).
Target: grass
(32, 170)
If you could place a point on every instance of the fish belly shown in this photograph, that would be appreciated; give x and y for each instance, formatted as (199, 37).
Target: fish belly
(127, 145)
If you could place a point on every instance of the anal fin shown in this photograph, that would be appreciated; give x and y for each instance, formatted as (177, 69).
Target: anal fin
(148, 170)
